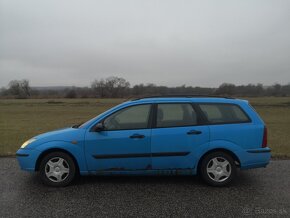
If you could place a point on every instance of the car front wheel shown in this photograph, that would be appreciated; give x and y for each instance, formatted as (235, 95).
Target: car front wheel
(57, 169)
(218, 169)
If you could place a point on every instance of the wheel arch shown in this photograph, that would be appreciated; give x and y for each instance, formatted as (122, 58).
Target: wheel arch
(44, 153)
(232, 154)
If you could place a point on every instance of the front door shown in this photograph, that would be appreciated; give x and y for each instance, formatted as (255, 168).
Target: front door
(124, 144)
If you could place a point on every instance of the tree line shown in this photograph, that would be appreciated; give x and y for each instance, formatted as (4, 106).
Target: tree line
(117, 87)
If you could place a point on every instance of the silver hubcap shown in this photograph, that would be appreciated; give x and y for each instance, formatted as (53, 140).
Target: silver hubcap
(218, 169)
(57, 169)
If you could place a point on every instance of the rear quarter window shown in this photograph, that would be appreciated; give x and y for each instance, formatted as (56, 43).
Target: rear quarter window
(223, 113)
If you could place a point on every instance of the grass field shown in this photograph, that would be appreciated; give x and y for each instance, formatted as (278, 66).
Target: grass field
(22, 119)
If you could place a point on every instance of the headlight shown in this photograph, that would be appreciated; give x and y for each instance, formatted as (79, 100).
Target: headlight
(27, 142)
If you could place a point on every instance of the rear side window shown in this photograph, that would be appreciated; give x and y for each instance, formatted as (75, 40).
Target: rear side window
(174, 115)
(224, 113)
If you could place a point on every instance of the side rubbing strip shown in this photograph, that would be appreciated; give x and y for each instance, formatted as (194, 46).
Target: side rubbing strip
(168, 154)
(160, 154)
(22, 155)
(259, 151)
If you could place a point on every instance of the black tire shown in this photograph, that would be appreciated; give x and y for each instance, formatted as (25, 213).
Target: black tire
(209, 177)
(68, 165)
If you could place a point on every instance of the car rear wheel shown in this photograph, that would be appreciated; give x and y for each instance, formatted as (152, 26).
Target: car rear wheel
(57, 169)
(218, 169)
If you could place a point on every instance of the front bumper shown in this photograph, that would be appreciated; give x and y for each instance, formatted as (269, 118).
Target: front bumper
(27, 158)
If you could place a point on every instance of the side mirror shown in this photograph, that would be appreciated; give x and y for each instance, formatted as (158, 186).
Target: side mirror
(99, 127)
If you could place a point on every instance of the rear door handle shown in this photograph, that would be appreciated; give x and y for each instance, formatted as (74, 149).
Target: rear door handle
(137, 136)
(194, 132)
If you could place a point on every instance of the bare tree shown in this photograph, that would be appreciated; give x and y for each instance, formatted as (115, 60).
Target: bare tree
(19, 88)
(99, 87)
(14, 88)
(117, 86)
(226, 89)
(71, 93)
(24, 84)
(113, 87)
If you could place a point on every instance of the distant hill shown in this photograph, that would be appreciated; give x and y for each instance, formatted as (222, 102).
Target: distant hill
(57, 88)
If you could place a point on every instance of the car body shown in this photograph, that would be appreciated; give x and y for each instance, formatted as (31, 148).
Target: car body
(155, 136)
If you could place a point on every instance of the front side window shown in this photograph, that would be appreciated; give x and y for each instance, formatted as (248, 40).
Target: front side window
(135, 117)
(174, 115)
(224, 113)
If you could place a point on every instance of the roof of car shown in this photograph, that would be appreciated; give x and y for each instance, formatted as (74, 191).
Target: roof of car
(182, 96)
(186, 98)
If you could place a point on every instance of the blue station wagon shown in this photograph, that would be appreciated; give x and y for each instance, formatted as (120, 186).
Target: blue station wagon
(209, 136)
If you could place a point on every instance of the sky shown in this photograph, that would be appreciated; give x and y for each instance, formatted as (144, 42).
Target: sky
(169, 42)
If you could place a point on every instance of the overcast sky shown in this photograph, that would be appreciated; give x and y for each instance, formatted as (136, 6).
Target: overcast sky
(198, 43)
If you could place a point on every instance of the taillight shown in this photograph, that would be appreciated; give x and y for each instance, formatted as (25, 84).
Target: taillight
(265, 138)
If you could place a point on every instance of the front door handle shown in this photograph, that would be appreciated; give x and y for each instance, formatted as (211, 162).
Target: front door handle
(137, 136)
(194, 132)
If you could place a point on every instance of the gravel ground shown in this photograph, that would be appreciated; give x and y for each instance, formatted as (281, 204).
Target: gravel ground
(260, 192)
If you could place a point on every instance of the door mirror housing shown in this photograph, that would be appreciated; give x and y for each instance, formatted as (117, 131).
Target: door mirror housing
(99, 127)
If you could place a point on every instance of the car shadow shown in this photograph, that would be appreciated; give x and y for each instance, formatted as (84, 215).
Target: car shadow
(120, 179)
(244, 178)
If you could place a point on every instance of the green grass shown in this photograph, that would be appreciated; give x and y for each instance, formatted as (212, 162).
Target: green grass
(23, 119)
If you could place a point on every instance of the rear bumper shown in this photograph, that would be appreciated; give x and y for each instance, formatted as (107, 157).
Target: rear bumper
(27, 158)
(255, 158)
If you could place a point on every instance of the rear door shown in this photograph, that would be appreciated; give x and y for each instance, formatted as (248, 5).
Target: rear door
(178, 136)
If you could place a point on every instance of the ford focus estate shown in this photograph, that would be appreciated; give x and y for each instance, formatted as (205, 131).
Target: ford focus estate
(209, 136)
